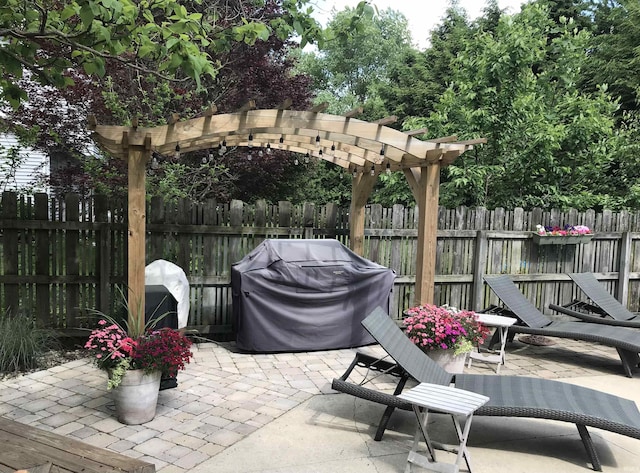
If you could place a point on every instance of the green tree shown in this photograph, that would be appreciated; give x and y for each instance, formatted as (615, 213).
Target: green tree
(614, 56)
(347, 74)
(541, 130)
(166, 38)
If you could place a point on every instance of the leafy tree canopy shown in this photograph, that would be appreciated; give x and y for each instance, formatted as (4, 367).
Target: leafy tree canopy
(542, 131)
(166, 38)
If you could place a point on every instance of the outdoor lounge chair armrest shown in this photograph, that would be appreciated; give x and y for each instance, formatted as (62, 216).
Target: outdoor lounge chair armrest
(372, 363)
(589, 318)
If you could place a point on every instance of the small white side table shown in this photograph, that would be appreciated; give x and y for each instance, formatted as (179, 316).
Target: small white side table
(502, 324)
(443, 399)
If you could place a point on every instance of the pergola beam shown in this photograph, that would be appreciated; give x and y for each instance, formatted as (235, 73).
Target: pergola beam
(357, 143)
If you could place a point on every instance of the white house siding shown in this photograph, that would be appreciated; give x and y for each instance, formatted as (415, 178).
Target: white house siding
(35, 164)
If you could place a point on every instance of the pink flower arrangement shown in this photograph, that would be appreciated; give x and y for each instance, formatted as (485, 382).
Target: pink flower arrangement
(432, 327)
(567, 230)
(166, 350)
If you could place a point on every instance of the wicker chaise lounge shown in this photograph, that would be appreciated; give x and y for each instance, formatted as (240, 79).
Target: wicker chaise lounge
(602, 307)
(510, 396)
(530, 320)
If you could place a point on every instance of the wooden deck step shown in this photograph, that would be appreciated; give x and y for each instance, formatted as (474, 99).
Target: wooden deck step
(25, 447)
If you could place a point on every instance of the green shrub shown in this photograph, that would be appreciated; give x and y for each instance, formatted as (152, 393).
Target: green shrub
(22, 344)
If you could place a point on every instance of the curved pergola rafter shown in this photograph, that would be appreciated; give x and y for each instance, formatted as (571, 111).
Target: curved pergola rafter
(359, 145)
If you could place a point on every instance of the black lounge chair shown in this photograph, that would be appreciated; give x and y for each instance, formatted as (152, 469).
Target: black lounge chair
(602, 307)
(532, 321)
(510, 396)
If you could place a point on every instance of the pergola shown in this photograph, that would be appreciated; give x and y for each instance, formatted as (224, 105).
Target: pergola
(365, 148)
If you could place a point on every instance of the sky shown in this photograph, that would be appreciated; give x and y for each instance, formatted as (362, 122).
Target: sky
(423, 15)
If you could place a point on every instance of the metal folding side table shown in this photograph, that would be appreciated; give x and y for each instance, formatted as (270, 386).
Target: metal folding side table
(426, 398)
(502, 324)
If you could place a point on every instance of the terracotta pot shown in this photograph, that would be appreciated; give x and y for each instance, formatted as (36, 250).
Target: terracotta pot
(137, 396)
(452, 363)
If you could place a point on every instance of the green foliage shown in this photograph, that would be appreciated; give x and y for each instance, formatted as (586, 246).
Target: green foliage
(22, 344)
(614, 57)
(166, 38)
(541, 129)
(347, 73)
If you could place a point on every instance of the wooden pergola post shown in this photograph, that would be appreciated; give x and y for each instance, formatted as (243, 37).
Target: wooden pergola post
(361, 188)
(137, 159)
(425, 185)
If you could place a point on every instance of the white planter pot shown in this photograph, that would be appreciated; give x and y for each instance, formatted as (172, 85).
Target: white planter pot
(446, 359)
(137, 396)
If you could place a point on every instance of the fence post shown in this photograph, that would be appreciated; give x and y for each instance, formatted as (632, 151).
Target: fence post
(235, 220)
(308, 213)
(72, 265)
(43, 308)
(103, 254)
(479, 269)
(10, 252)
(623, 271)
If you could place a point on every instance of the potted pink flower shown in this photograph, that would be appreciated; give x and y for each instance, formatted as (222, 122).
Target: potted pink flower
(444, 333)
(135, 362)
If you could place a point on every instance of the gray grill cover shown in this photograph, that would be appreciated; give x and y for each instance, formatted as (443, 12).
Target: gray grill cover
(293, 295)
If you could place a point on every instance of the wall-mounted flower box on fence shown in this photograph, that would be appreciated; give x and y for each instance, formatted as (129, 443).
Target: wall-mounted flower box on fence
(567, 235)
(561, 240)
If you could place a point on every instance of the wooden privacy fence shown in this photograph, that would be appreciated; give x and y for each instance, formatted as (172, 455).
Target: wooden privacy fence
(62, 257)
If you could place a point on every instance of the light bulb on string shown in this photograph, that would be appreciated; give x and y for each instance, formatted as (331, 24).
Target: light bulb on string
(296, 162)
(317, 141)
(223, 147)
(306, 158)
(260, 153)
(250, 140)
(382, 152)
(333, 149)
(355, 171)
(210, 155)
(373, 170)
(268, 148)
(177, 153)
(388, 170)
(320, 152)
(155, 162)
(249, 156)
(281, 142)
(204, 160)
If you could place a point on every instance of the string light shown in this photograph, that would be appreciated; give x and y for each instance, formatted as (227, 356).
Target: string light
(388, 170)
(268, 148)
(320, 152)
(318, 141)
(373, 170)
(177, 153)
(281, 141)
(250, 140)
(296, 162)
(333, 149)
(155, 161)
(249, 156)
(355, 171)
(382, 152)
(306, 158)
(223, 147)
(260, 153)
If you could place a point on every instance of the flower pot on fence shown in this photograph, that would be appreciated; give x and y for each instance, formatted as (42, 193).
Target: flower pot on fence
(561, 240)
(137, 396)
(448, 360)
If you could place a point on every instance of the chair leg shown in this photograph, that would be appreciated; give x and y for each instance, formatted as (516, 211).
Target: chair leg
(382, 425)
(629, 360)
(588, 445)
